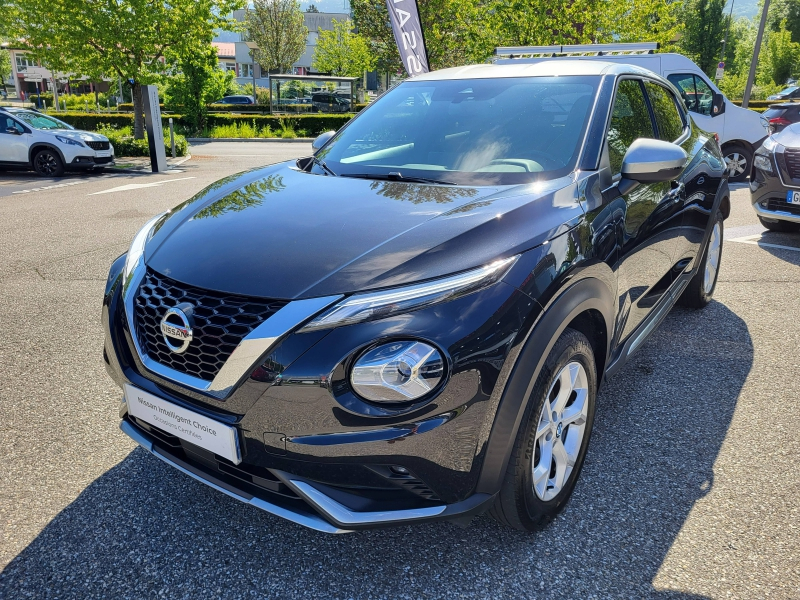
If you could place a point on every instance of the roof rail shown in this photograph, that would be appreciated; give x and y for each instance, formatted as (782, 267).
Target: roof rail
(574, 50)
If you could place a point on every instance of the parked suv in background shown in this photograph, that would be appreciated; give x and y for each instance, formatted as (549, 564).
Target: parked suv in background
(775, 182)
(30, 139)
(236, 100)
(413, 323)
(740, 130)
(779, 116)
(788, 93)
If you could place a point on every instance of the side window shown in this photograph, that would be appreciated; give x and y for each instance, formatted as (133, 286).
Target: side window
(7, 123)
(668, 119)
(630, 121)
(696, 93)
(705, 96)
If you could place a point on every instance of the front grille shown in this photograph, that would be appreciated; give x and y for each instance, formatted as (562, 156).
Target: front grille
(98, 145)
(102, 160)
(221, 321)
(792, 158)
(782, 205)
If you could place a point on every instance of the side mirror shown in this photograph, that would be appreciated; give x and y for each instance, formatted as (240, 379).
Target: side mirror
(650, 161)
(717, 105)
(321, 140)
(13, 131)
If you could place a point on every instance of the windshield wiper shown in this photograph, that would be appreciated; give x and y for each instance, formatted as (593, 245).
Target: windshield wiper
(396, 176)
(321, 164)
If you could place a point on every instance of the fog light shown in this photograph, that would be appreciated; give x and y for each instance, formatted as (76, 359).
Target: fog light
(397, 372)
(398, 470)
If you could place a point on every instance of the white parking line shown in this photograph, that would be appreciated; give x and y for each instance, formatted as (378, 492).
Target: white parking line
(54, 186)
(751, 239)
(136, 186)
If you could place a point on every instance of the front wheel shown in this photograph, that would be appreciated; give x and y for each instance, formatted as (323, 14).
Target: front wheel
(553, 437)
(47, 163)
(701, 288)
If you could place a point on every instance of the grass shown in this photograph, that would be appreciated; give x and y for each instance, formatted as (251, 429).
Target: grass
(243, 130)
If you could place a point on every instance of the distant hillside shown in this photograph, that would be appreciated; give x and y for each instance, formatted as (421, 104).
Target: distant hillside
(743, 8)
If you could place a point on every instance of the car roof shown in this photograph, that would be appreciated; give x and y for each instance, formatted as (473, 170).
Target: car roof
(539, 68)
(785, 105)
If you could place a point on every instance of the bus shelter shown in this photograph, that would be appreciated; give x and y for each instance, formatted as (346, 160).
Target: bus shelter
(304, 94)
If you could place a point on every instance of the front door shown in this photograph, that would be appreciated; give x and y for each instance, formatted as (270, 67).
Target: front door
(13, 146)
(651, 224)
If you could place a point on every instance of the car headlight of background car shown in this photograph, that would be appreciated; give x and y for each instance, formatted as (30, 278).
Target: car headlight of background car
(69, 141)
(763, 162)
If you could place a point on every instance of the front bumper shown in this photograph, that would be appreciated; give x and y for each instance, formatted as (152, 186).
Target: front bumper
(310, 506)
(768, 190)
(91, 162)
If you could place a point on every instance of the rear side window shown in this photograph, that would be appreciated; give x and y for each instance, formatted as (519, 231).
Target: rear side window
(629, 121)
(773, 113)
(668, 120)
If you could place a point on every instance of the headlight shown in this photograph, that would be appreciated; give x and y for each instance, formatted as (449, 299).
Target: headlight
(137, 245)
(770, 144)
(377, 305)
(68, 141)
(397, 372)
(763, 162)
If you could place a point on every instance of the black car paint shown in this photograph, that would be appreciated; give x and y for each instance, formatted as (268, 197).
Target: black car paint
(585, 262)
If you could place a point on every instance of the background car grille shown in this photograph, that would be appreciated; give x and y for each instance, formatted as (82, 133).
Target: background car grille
(221, 321)
(792, 157)
(98, 145)
(782, 205)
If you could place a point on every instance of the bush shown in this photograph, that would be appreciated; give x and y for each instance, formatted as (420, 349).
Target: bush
(125, 145)
(264, 108)
(310, 125)
(128, 107)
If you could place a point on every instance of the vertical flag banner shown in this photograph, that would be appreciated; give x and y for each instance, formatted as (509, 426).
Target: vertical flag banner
(407, 30)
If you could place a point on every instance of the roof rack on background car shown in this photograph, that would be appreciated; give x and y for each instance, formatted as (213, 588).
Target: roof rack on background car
(575, 50)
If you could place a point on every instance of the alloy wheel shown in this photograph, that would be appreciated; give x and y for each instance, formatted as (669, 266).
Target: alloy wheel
(737, 164)
(712, 258)
(46, 163)
(560, 431)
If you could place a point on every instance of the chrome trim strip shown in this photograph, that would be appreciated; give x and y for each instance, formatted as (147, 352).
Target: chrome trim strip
(310, 521)
(341, 514)
(775, 214)
(258, 342)
(658, 316)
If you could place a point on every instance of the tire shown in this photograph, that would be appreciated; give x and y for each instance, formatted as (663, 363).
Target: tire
(48, 163)
(739, 160)
(701, 288)
(782, 226)
(526, 500)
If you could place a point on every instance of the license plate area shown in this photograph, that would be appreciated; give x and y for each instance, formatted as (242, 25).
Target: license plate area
(183, 423)
(103, 153)
(793, 198)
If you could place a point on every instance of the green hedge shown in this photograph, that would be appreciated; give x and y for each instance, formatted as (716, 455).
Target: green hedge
(756, 104)
(238, 107)
(313, 125)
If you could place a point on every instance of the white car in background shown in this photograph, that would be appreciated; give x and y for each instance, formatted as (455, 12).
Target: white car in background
(30, 139)
(740, 130)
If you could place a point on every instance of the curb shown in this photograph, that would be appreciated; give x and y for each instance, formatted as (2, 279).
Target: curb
(267, 140)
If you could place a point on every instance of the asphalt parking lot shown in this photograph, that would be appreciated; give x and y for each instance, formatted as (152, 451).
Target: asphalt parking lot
(690, 488)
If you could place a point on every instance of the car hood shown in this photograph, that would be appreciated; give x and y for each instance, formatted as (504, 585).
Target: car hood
(77, 134)
(279, 232)
(789, 136)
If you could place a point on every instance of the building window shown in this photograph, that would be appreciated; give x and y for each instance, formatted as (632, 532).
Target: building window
(23, 63)
(245, 69)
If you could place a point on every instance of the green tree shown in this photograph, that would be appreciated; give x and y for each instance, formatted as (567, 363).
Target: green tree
(312, 9)
(200, 82)
(782, 55)
(784, 14)
(5, 66)
(704, 28)
(277, 27)
(135, 40)
(341, 52)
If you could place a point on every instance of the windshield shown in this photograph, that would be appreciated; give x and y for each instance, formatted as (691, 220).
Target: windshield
(39, 121)
(788, 90)
(473, 131)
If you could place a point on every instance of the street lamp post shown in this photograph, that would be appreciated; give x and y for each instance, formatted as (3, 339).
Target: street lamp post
(752, 75)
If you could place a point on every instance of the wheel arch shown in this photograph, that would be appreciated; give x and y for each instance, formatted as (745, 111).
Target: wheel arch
(38, 146)
(588, 306)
